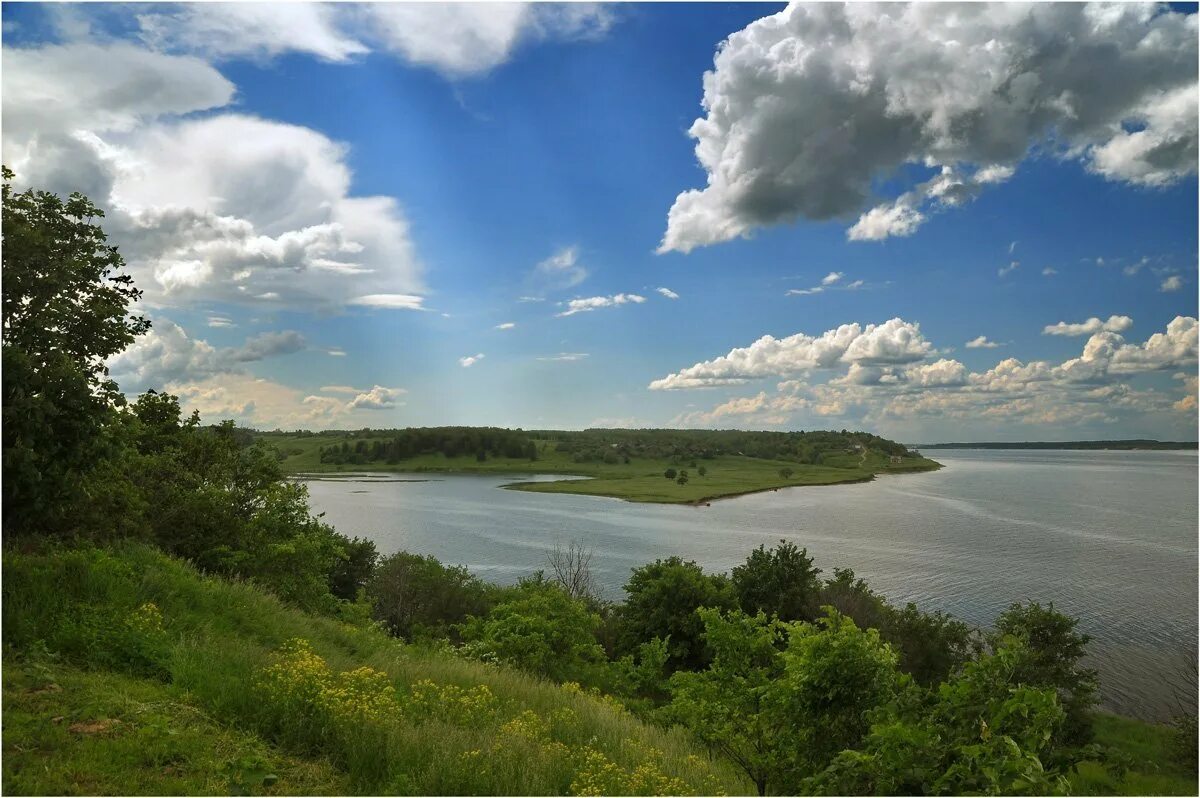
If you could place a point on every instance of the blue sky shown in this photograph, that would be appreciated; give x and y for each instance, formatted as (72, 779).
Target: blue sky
(268, 174)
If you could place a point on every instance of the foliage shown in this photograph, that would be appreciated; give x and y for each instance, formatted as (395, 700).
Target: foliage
(661, 602)
(539, 628)
(416, 596)
(65, 310)
(983, 733)
(354, 568)
(781, 581)
(397, 445)
(1056, 651)
(932, 645)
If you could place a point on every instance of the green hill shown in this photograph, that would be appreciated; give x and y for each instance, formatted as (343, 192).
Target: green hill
(127, 672)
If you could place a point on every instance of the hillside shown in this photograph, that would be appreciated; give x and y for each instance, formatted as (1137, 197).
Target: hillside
(135, 674)
(625, 464)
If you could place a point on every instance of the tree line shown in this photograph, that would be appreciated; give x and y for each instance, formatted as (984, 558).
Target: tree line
(397, 445)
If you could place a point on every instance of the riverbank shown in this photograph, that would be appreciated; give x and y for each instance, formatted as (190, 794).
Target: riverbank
(640, 480)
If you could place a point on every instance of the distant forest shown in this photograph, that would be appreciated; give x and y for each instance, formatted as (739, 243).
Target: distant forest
(594, 445)
(1129, 444)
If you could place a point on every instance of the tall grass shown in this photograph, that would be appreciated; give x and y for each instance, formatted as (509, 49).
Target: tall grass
(134, 611)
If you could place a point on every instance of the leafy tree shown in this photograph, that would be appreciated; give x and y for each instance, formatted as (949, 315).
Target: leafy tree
(1056, 651)
(983, 733)
(702, 471)
(781, 581)
(852, 597)
(662, 599)
(786, 473)
(540, 629)
(782, 699)
(670, 473)
(354, 569)
(65, 310)
(931, 645)
(683, 480)
(415, 595)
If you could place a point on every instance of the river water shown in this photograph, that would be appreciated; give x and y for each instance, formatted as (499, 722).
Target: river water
(1108, 537)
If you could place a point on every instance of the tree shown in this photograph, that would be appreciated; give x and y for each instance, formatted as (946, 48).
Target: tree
(702, 471)
(65, 311)
(786, 473)
(354, 569)
(932, 646)
(670, 473)
(662, 599)
(683, 480)
(983, 733)
(416, 595)
(571, 569)
(1056, 651)
(782, 699)
(781, 581)
(540, 629)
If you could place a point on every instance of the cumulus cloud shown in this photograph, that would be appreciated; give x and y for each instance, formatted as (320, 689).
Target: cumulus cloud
(1172, 283)
(1092, 325)
(831, 278)
(378, 398)
(591, 303)
(807, 109)
(982, 342)
(272, 220)
(667, 292)
(892, 343)
(1094, 387)
(470, 360)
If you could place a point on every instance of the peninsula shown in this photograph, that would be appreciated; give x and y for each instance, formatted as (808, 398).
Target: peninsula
(648, 465)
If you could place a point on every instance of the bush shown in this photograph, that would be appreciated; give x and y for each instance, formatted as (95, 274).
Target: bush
(781, 582)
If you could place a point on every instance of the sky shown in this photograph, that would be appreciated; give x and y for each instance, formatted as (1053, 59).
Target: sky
(930, 222)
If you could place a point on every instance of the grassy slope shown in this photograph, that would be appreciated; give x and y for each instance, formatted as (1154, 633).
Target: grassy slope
(1152, 770)
(201, 726)
(641, 480)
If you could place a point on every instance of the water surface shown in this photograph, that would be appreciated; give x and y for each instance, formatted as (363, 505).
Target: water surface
(1109, 537)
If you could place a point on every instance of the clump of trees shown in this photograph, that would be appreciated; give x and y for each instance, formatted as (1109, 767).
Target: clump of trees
(394, 446)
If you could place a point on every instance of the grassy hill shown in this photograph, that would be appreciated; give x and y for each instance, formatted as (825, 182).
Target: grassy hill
(640, 480)
(127, 672)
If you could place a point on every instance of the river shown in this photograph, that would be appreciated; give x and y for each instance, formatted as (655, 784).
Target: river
(1109, 537)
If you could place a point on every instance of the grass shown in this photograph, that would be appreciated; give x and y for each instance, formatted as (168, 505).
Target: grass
(1152, 770)
(181, 659)
(640, 480)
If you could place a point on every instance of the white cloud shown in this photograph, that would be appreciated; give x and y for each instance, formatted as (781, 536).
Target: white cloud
(269, 220)
(831, 278)
(564, 356)
(1004, 270)
(667, 292)
(1048, 271)
(470, 360)
(255, 30)
(220, 321)
(335, 351)
(560, 271)
(892, 343)
(1092, 325)
(393, 301)
(456, 39)
(1092, 388)
(350, 389)
(595, 302)
(806, 109)
(1172, 283)
(466, 39)
(378, 398)
(167, 354)
(508, 325)
(805, 291)
(982, 342)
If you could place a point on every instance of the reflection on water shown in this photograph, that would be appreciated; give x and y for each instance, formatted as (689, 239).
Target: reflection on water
(1109, 537)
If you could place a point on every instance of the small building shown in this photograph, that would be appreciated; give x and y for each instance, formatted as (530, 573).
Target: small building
(896, 459)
